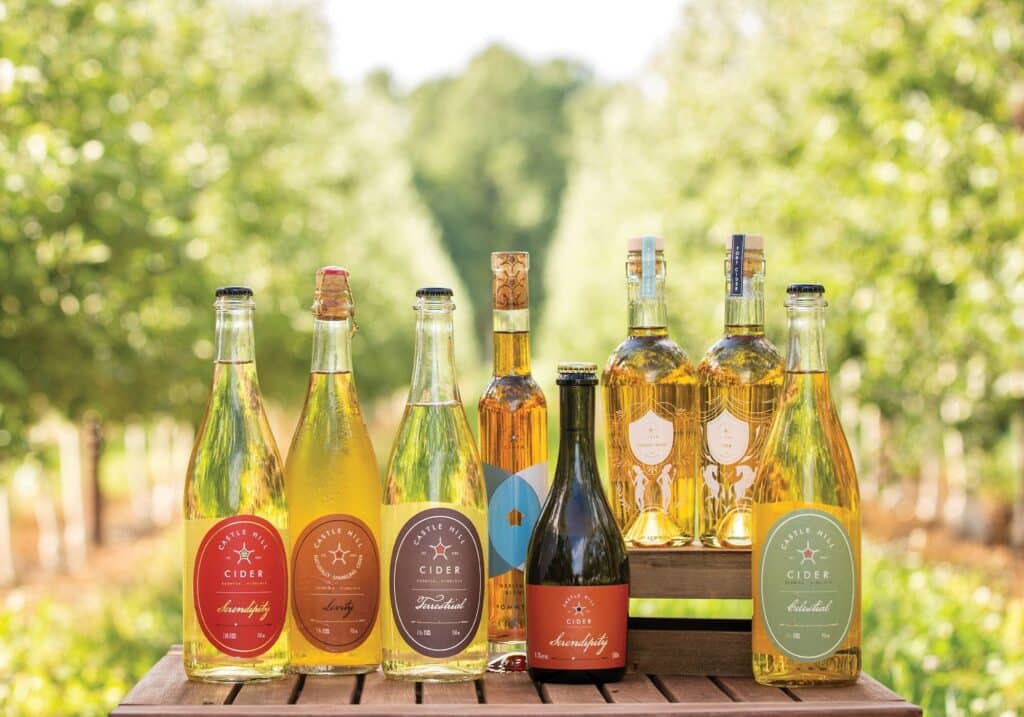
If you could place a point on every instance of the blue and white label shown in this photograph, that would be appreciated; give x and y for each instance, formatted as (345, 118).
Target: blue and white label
(513, 507)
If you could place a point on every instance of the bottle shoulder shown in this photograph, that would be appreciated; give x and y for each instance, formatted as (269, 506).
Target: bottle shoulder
(742, 360)
(512, 393)
(648, 359)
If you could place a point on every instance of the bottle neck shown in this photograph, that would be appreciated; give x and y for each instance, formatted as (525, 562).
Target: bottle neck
(576, 457)
(332, 346)
(806, 348)
(433, 371)
(645, 286)
(234, 333)
(744, 309)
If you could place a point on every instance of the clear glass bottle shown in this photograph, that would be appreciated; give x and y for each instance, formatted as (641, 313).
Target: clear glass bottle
(651, 406)
(806, 521)
(434, 519)
(236, 526)
(577, 572)
(513, 418)
(740, 382)
(334, 495)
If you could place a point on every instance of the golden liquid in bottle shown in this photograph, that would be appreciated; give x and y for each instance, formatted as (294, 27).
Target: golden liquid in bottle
(434, 465)
(513, 438)
(651, 414)
(741, 378)
(807, 465)
(331, 470)
(234, 470)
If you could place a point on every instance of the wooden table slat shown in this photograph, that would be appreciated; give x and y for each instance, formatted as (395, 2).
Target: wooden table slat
(450, 693)
(166, 684)
(379, 690)
(276, 692)
(512, 688)
(571, 694)
(324, 690)
(692, 572)
(746, 689)
(636, 687)
(690, 688)
(867, 689)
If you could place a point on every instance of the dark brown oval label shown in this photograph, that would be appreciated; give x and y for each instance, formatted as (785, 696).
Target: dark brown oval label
(437, 582)
(335, 582)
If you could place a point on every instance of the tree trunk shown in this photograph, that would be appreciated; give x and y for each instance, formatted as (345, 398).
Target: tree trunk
(929, 490)
(955, 508)
(1017, 522)
(7, 572)
(138, 473)
(871, 438)
(72, 496)
(93, 450)
(162, 467)
(48, 540)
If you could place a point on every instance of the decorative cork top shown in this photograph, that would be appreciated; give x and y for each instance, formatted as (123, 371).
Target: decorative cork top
(333, 298)
(637, 243)
(751, 242)
(510, 289)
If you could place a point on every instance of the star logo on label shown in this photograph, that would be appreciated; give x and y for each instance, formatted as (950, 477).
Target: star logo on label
(244, 554)
(338, 555)
(807, 553)
(514, 518)
(579, 609)
(440, 550)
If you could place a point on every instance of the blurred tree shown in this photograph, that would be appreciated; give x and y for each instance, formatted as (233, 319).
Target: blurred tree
(490, 148)
(875, 145)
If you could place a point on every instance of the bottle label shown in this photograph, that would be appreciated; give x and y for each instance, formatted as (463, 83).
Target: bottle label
(807, 582)
(651, 438)
(240, 585)
(335, 582)
(576, 627)
(514, 503)
(437, 582)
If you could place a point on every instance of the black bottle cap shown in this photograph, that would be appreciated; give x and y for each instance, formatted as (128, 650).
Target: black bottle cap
(234, 291)
(577, 374)
(805, 289)
(433, 291)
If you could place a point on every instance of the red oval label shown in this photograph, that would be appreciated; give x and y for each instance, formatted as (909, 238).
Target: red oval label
(240, 585)
(576, 627)
(335, 582)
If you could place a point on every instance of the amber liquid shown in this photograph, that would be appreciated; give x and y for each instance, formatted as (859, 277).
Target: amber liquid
(331, 469)
(806, 464)
(741, 374)
(652, 499)
(513, 436)
(235, 469)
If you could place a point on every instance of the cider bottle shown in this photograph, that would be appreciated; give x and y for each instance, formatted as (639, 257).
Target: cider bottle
(740, 381)
(434, 519)
(806, 522)
(513, 443)
(650, 402)
(333, 493)
(236, 526)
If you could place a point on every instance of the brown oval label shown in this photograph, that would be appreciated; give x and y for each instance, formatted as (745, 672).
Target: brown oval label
(437, 582)
(335, 582)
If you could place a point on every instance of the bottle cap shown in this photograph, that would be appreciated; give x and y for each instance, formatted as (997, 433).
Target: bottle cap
(510, 287)
(636, 243)
(576, 373)
(332, 300)
(433, 291)
(233, 291)
(805, 289)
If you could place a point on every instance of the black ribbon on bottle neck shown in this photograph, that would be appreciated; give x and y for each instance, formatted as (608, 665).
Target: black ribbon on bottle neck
(736, 260)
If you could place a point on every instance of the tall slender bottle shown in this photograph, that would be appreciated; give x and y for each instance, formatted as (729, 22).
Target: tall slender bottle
(740, 382)
(806, 520)
(513, 419)
(235, 585)
(434, 519)
(651, 407)
(578, 572)
(333, 494)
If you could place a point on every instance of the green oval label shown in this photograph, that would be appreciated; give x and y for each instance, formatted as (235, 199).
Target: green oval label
(807, 584)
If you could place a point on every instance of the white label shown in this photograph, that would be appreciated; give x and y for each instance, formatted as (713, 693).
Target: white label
(650, 438)
(728, 438)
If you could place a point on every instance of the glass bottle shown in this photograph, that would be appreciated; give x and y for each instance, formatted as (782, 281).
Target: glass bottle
(513, 418)
(236, 568)
(577, 572)
(806, 521)
(333, 493)
(434, 519)
(740, 381)
(651, 406)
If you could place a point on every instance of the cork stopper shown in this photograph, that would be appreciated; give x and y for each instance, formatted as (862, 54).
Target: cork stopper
(333, 298)
(637, 243)
(751, 242)
(510, 289)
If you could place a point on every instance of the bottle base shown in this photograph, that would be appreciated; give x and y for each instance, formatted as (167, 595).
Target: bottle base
(839, 670)
(219, 675)
(428, 673)
(577, 677)
(331, 669)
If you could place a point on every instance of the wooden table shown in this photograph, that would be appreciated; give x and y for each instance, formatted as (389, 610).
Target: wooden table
(165, 691)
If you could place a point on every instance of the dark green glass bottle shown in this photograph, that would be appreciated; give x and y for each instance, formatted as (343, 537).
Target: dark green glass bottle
(577, 570)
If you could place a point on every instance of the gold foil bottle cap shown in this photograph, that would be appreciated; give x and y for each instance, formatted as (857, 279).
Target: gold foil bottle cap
(577, 373)
(510, 289)
(333, 298)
